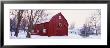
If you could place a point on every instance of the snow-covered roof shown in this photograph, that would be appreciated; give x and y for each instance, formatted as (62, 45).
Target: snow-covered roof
(47, 18)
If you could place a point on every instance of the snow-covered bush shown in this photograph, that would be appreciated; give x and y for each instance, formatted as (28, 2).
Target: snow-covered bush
(86, 31)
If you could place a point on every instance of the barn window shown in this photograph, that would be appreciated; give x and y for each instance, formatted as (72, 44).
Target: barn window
(44, 30)
(37, 30)
(59, 17)
(59, 25)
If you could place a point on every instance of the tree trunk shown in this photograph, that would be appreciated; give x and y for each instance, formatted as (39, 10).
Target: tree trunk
(29, 27)
(28, 35)
(28, 32)
(19, 17)
(96, 32)
(96, 29)
(16, 32)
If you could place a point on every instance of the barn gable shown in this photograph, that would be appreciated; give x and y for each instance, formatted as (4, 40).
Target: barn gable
(59, 16)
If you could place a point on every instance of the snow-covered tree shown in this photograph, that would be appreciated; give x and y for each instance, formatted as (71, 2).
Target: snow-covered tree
(72, 26)
(85, 31)
(34, 16)
(25, 19)
(19, 17)
(95, 21)
(92, 24)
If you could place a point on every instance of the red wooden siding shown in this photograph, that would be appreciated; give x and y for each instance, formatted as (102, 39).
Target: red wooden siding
(57, 26)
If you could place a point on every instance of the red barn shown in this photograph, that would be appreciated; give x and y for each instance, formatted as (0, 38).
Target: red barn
(56, 26)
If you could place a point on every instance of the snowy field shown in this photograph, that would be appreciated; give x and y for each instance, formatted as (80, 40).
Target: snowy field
(73, 34)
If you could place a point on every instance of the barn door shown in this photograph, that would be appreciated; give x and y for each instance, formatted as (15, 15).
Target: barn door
(59, 29)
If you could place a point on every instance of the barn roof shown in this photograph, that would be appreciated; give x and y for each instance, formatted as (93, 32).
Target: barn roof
(46, 18)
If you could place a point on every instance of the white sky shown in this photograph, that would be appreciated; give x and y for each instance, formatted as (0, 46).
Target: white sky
(77, 17)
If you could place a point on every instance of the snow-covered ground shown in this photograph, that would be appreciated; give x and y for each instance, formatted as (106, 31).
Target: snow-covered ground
(21, 35)
(73, 34)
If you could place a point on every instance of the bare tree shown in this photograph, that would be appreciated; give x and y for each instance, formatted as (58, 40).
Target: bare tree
(19, 17)
(25, 19)
(95, 21)
(92, 25)
(72, 26)
(34, 16)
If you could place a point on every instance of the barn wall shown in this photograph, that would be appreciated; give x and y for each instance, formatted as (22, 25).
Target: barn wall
(52, 27)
